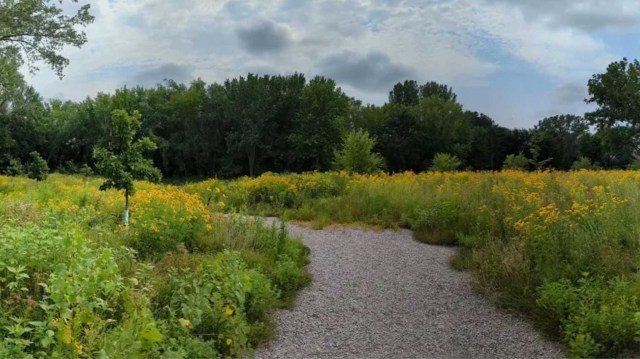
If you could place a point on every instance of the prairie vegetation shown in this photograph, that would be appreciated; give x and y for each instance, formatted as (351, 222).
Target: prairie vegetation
(560, 247)
(182, 281)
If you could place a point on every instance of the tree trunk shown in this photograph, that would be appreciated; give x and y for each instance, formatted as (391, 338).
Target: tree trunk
(126, 207)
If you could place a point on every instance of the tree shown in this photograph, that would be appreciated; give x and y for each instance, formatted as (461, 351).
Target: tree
(582, 163)
(405, 93)
(557, 138)
(120, 157)
(408, 93)
(444, 126)
(515, 162)
(37, 169)
(356, 154)
(442, 91)
(318, 127)
(37, 30)
(444, 162)
(617, 95)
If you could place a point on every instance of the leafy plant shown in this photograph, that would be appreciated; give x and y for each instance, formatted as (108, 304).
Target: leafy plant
(583, 163)
(15, 168)
(37, 169)
(121, 159)
(516, 162)
(444, 162)
(356, 154)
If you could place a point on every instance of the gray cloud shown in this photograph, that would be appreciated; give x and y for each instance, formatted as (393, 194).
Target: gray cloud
(153, 76)
(264, 37)
(585, 15)
(570, 93)
(373, 72)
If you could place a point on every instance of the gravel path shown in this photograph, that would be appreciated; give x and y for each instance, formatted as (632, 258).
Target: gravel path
(383, 295)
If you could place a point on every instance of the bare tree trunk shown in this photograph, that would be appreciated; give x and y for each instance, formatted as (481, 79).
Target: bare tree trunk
(126, 207)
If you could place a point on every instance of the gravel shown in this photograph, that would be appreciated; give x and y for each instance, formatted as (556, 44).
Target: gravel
(384, 295)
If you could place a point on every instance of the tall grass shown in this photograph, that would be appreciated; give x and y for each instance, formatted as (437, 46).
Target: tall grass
(562, 247)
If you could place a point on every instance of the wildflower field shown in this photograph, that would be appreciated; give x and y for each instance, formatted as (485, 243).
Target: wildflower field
(562, 247)
(182, 281)
(186, 279)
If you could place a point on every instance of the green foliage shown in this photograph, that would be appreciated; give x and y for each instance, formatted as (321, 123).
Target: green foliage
(15, 168)
(598, 319)
(40, 29)
(435, 224)
(356, 154)
(557, 138)
(76, 289)
(37, 169)
(121, 159)
(318, 126)
(444, 162)
(516, 162)
(616, 92)
(582, 163)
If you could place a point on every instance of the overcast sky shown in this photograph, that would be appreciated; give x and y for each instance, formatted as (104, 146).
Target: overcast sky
(515, 60)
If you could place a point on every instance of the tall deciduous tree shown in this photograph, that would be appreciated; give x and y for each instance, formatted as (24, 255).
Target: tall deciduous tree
(557, 138)
(617, 94)
(37, 30)
(318, 127)
(120, 157)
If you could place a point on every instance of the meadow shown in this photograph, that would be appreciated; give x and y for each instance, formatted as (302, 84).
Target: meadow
(181, 281)
(192, 276)
(561, 247)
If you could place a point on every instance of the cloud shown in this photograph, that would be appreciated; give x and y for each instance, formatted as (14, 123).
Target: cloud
(153, 76)
(584, 15)
(570, 93)
(480, 47)
(264, 37)
(372, 72)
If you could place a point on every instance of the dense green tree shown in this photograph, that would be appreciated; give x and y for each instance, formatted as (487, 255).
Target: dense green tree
(37, 30)
(405, 93)
(557, 138)
(356, 154)
(251, 111)
(486, 147)
(402, 141)
(439, 90)
(617, 95)
(444, 162)
(120, 156)
(409, 93)
(37, 168)
(516, 162)
(319, 124)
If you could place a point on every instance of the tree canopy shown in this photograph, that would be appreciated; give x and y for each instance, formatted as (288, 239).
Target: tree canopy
(37, 30)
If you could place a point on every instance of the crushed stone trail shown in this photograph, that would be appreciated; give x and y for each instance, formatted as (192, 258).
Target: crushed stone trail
(384, 295)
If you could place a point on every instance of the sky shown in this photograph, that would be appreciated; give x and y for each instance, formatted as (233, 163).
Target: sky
(515, 60)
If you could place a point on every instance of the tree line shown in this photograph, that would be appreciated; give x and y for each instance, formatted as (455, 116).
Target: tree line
(254, 124)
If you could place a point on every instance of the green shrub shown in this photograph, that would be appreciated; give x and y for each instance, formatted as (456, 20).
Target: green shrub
(516, 162)
(599, 319)
(15, 168)
(444, 162)
(356, 154)
(37, 169)
(582, 163)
